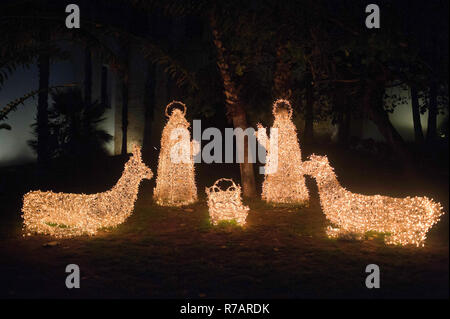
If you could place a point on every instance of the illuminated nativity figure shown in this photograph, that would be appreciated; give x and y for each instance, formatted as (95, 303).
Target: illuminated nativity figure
(284, 182)
(226, 204)
(175, 181)
(68, 215)
(405, 221)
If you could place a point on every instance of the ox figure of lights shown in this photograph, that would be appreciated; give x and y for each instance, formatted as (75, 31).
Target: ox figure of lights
(226, 204)
(284, 182)
(68, 215)
(175, 181)
(405, 220)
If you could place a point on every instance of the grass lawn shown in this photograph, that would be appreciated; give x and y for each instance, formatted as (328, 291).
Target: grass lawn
(175, 252)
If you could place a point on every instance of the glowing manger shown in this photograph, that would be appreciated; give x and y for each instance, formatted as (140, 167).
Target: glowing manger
(226, 204)
(67, 215)
(406, 220)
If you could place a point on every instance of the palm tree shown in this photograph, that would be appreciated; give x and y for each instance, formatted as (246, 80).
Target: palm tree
(418, 133)
(22, 43)
(73, 126)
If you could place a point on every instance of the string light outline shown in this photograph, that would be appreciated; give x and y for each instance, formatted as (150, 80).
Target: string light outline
(175, 182)
(285, 183)
(405, 220)
(68, 215)
(226, 204)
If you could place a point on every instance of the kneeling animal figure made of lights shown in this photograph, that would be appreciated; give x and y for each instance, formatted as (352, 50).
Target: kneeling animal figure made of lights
(226, 204)
(68, 215)
(406, 220)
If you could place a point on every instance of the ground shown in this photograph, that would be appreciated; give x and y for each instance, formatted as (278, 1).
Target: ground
(175, 252)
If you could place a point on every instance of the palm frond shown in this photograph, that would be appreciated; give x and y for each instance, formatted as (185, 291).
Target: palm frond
(11, 106)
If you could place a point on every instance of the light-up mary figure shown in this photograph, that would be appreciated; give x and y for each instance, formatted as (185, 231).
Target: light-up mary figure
(284, 182)
(175, 181)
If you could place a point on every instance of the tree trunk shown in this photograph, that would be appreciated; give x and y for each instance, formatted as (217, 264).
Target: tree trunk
(283, 75)
(373, 105)
(125, 82)
(432, 114)
(309, 113)
(418, 133)
(235, 110)
(87, 76)
(104, 87)
(87, 94)
(246, 168)
(124, 117)
(150, 100)
(344, 126)
(88, 59)
(42, 109)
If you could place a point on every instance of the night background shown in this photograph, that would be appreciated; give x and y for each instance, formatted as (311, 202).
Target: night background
(74, 102)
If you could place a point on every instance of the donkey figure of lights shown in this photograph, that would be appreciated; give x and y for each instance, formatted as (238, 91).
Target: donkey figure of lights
(405, 220)
(67, 215)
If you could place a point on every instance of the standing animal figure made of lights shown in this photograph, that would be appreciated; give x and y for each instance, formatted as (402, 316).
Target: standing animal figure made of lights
(226, 204)
(405, 220)
(68, 215)
(284, 182)
(175, 181)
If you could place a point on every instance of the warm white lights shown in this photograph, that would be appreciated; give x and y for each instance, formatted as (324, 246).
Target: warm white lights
(175, 181)
(404, 220)
(67, 215)
(226, 204)
(283, 181)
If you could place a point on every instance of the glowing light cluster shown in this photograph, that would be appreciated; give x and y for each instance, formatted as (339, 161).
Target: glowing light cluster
(175, 181)
(283, 178)
(226, 204)
(404, 220)
(68, 215)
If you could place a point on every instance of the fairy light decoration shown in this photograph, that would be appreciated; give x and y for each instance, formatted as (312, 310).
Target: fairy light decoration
(226, 204)
(69, 215)
(405, 220)
(175, 181)
(284, 182)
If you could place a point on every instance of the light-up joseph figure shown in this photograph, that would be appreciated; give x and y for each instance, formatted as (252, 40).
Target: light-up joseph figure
(284, 182)
(175, 181)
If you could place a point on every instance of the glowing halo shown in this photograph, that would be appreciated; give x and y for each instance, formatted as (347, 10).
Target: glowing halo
(282, 101)
(174, 103)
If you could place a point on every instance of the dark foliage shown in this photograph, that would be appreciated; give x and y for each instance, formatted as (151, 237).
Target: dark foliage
(74, 126)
